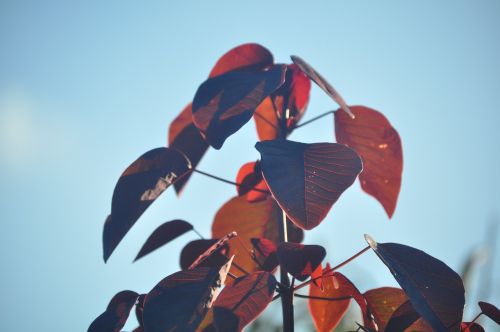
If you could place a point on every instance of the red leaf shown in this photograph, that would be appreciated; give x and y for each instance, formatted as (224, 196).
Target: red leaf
(243, 57)
(327, 314)
(243, 300)
(116, 314)
(223, 104)
(138, 187)
(163, 235)
(491, 311)
(405, 318)
(196, 248)
(180, 301)
(471, 327)
(371, 135)
(307, 179)
(185, 137)
(249, 220)
(265, 253)
(214, 248)
(266, 119)
(300, 260)
(383, 302)
(321, 82)
(249, 176)
(435, 290)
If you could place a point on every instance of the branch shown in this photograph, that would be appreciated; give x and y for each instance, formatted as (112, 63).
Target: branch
(314, 119)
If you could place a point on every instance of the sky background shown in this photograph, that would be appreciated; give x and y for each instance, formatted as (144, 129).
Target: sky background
(87, 87)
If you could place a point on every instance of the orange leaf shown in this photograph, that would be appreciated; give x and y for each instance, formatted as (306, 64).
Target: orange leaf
(371, 135)
(245, 56)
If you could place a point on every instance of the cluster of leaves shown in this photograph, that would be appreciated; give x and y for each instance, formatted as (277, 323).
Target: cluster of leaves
(291, 189)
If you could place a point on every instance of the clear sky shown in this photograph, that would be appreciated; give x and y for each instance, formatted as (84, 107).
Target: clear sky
(87, 87)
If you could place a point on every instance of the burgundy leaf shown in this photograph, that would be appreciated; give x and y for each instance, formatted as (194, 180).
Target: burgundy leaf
(300, 260)
(163, 235)
(223, 104)
(265, 253)
(243, 300)
(214, 248)
(138, 187)
(378, 144)
(307, 179)
(185, 137)
(243, 57)
(471, 327)
(491, 311)
(197, 247)
(406, 318)
(116, 314)
(383, 302)
(249, 177)
(139, 309)
(435, 290)
(322, 83)
(180, 301)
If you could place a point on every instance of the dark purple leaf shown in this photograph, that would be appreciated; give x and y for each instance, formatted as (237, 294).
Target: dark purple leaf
(307, 179)
(214, 249)
(116, 314)
(405, 317)
(180, 301)
(139, 308)
(243, 300)
(471, 327)
(300, 260)
(223, 104)
(491, 311)
(265, 253)
(138, 187)
(163, 235)
(435, 290)
(197, 247)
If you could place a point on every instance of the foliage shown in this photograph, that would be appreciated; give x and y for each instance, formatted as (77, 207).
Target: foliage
(291, 189)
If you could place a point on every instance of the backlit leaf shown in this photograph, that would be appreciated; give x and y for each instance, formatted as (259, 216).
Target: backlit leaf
(471, 327)
(180, 301)
(327, 314)
(383, 302)
(307, 179)
(300, 260)
(195, 248)
(163, 235)
(116, 314)
(223, 104)
(321, 82)
(265, 253)
(250, 220)
(435, 290)
(243, 57)
(491, 311)
(378, 144)
(405, 318)
(249, 177)
(138, 187)
(240, 302)
(185, 137)
(217, 247)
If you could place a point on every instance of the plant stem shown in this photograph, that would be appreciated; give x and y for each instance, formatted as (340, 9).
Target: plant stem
(333, 268)
(314, 119)
(229, 182)
(324, 298)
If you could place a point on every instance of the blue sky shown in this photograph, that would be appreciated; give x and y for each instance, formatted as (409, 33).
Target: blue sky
(86, 87)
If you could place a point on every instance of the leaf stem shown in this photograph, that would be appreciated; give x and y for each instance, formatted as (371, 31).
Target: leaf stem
(347, 261)
(230, 182)
(198, 233)
(314, 119)
(324, 298)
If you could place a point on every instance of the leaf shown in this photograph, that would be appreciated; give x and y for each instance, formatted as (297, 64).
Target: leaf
(223, 104)
(180, 301)
(250, 220)
(197, 247)
(322, 83)
(307, 179)
(327, 314)
(250, 177)
(435, 290)
(383, 302)
(490, 310)
(139, 309)
(378, 144)
(214, 248)
(405, 318)
(471, 327)
(243, 300)
(116, 314)
(246, 56)
(185, 137)
(300, 260)
(265, 253)
(163, 235)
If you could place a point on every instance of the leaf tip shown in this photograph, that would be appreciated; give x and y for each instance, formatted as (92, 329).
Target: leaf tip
(371, 242)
